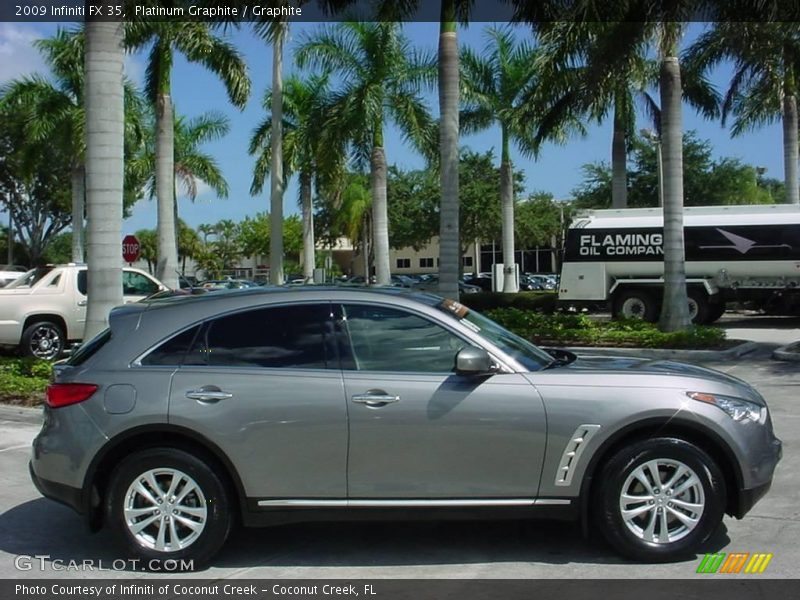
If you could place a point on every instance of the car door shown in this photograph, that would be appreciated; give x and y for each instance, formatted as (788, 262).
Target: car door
(264, 386)
(420, 431)
(137, 286)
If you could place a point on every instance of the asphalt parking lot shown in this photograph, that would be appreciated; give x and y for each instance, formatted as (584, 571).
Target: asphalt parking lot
(31, 525)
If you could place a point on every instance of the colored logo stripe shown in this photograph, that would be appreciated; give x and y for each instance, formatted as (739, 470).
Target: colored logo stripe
(758, 564)
(711, 562)
(734, 562)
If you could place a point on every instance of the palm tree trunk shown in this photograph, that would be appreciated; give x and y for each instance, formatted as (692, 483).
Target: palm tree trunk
(276, 166)
(449, 239)
(309, 257)
(78, 200)
(675, 309)
(104, 107)
(507, 207)
(167, 264)
(380, 218)
(619, 159)
(790, 150)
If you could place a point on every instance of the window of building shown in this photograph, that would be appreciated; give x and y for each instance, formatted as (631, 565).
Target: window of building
(425, 263)
(467, 261)
(403, 263)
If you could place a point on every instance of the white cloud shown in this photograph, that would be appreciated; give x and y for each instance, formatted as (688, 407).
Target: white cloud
(17, 54)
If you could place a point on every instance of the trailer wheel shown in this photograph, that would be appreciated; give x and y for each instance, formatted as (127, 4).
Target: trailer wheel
(716, 311)
(635, 304)
(699, 307)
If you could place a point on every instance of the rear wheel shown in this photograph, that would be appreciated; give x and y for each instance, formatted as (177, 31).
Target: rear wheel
(660, 499)
(716, 311)
(44, 339)
(635, 304)
(699, 307)
(165, 504)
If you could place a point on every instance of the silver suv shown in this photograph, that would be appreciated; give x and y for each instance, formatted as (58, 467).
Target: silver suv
(274, 405)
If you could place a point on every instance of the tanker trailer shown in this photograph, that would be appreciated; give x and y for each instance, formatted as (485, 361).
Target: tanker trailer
(733, 254)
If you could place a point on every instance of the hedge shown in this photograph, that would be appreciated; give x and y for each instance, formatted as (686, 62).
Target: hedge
(540, 302)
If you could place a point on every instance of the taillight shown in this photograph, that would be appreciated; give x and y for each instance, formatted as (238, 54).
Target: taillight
(64, 394)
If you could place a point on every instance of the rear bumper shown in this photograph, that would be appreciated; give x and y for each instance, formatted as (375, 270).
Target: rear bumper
(70, 496)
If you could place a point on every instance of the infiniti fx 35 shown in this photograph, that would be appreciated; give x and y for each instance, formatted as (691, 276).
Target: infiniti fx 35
(264, 406)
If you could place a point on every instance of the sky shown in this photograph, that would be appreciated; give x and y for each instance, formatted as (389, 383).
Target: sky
(195, 91)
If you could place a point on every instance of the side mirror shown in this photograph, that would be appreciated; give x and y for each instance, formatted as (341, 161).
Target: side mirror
(473, 361)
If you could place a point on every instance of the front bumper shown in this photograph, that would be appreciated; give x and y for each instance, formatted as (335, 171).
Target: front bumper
(747, 498)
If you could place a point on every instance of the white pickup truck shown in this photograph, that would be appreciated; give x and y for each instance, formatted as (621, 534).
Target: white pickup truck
(45, 309)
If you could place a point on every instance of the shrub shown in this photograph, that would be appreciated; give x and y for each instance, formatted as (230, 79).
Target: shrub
(23, 380)
(542, 302)
(578, 329)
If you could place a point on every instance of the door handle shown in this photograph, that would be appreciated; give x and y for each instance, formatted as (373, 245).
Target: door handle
(208, 394)
(375, 400)
(81, 302)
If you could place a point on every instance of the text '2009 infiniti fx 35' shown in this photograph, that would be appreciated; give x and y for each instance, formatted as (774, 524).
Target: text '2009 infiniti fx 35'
(273, 405)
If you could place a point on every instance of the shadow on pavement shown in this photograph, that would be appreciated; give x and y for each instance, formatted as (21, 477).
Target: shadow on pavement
(42, 527)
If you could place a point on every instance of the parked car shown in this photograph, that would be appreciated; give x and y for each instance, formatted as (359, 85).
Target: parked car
(227, 284)
(482, 281)
(190, 414)
(9, 273)
(431, 284)
(43, 311)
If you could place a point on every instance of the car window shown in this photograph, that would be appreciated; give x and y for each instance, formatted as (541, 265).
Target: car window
(388, 339)
(298, 337)
(133, 283)
(30, 279)
(173, 351)
(136, 284)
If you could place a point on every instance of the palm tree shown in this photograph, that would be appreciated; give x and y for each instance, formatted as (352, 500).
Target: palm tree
(449, 72)
(630, 32)
(381, 78)
(54, 111)
(503, 88)
(198, 44)
(192, 166)
(565, 47)
(763, 86)
(303, 111)
(105, 126)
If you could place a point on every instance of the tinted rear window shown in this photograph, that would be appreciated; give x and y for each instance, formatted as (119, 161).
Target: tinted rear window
(173, 351)
(88, 349)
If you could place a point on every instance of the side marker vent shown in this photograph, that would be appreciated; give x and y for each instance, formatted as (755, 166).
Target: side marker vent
(572, 453)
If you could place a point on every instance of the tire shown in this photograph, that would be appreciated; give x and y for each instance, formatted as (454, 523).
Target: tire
(702, 502)
(635, 304)
(207, 506)
(43, 339)
(716, 311)
(699, 307)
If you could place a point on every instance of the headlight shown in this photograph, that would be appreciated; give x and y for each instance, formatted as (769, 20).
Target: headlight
(738, 409)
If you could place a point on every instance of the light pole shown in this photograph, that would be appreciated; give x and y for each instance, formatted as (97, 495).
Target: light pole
(655, 139)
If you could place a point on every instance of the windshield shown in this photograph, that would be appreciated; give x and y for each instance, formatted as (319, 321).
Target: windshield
(529, 356)
(30, 278)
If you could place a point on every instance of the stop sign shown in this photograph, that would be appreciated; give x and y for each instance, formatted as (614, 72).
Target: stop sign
(130, 248)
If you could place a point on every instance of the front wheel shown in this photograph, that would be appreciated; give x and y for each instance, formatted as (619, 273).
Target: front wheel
(165, 504)
(660, 499)
(635, 304)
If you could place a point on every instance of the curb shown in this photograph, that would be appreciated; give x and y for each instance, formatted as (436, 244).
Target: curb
(20, 414)
(790, 353)
(670, 353)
